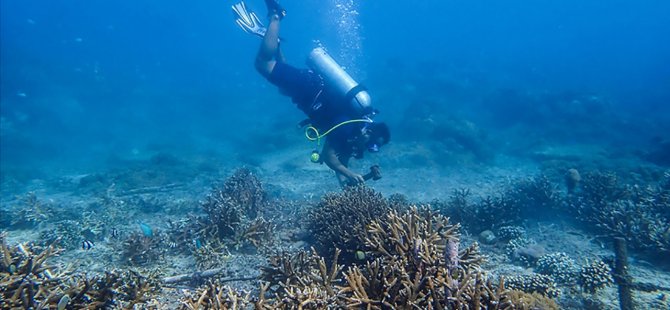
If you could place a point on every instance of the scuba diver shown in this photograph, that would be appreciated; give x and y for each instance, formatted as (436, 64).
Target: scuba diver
(337, 107)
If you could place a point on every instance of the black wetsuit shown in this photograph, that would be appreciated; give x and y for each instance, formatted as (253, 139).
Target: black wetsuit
(307, 90)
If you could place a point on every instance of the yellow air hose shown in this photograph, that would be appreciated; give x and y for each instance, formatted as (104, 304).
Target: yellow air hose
(317, 137)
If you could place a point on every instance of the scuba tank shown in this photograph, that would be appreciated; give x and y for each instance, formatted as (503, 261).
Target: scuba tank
(340, 83)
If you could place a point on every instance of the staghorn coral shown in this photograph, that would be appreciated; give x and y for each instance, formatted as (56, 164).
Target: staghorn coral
(300, 280)
(414, 263)
(31, 211)
(65, 234)
(234, 213)
(594, 276)
(533, 196)
(211, 255)
(258, 232)
(398, 202)
(638, 214)
(340, 218)
(26, 279)
(417, 265)
(215, 295)
(113, 290)
(139, 250)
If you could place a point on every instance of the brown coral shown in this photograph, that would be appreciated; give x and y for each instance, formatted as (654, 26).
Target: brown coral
(234, 212)
(340, 218)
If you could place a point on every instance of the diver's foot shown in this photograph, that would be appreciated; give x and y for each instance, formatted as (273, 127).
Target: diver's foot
(275, 9)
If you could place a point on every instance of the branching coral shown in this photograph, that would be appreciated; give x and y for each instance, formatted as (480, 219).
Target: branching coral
(31, 211)
(338, 220)
(114, 289)
(638, 214)
(417, 264)
(26, 279)
(139, 249)
(301, 280)
(234, 212)
(531, 197)
(211, 255)
(217, 296)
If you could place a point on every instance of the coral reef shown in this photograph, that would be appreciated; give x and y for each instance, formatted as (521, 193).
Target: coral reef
(26, 278)
(138, 249)
(523, 198)
(115, 289)
(524, 250)
(211, 255)
(300, 280)
(532, 301)
(507, 233)
(340, 218)
(637, 213)
(534, 197)
(215, 295)
(414, 263)
(533, 283)
(234, 212)
(28, 281)
(30, 211)
(417, 264)
(559, 266)
(594, 276)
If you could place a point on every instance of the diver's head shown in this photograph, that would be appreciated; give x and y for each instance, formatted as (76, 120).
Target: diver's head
(372, 137)
(378, 134)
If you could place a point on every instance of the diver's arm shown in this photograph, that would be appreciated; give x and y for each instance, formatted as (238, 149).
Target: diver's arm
(333, 162)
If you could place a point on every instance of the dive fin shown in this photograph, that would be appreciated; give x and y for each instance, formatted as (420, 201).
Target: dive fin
(248, 21)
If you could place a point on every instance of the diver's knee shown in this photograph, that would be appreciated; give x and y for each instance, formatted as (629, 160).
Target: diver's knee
(265, 67)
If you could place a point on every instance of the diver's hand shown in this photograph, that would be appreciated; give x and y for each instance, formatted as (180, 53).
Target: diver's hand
(355, 179)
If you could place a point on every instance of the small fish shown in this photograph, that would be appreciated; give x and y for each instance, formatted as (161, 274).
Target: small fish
(114, 233)
(146, 230)
(22, 94)
(87, 245)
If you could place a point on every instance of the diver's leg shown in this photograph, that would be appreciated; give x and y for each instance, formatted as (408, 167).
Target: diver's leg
(265, 59)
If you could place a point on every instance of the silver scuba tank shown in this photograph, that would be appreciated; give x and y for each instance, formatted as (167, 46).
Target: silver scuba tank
(339, 82)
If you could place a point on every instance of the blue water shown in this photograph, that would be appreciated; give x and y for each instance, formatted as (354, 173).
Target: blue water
(83, 81)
